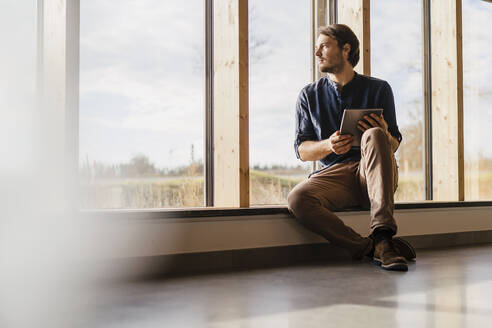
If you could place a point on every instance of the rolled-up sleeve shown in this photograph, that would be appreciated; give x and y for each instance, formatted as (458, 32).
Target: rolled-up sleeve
(304, 126)
(388, 104)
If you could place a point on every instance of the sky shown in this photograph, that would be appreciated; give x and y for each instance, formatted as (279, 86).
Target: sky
(477, 62)
(396, 54)
(142, 88)
(279, 69)
(141, 75)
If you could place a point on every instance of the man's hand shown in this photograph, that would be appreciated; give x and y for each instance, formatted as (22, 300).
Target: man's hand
(374, 121)
(340, 143)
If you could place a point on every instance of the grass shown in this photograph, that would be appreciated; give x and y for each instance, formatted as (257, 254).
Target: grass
(265, 189)
(410, 188)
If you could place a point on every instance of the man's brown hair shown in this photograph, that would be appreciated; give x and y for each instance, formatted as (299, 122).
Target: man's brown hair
(343, 34)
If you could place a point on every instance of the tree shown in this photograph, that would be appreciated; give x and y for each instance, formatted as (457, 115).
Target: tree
(139, 165)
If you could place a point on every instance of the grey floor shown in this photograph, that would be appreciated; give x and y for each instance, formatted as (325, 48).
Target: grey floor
(443, 288)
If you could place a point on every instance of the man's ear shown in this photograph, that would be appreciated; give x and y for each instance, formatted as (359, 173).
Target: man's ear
(346, 49)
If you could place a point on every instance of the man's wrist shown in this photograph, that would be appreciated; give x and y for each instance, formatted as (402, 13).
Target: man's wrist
(392, 141)
(327, 148)
(389, 136)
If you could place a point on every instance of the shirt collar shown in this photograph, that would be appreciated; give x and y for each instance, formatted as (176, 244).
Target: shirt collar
(334, 85)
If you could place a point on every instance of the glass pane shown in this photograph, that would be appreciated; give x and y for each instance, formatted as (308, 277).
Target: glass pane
(279, 56)
(141, 103)
(477, 97)
(396, 56)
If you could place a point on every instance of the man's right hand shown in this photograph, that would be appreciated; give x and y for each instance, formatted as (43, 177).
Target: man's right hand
(340, 143)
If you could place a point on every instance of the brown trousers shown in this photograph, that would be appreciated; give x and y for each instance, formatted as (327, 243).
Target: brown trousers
(369, 183)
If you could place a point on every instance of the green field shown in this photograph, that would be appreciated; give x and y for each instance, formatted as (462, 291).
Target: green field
(265, 189)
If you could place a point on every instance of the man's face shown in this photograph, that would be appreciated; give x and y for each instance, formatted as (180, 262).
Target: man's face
(329, 56)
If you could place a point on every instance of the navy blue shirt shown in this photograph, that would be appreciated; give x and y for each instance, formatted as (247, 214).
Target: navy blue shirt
(320, 108)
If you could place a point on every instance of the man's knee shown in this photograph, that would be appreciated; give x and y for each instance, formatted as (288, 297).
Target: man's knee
(299, 199)
(373, 135)
(293, 200)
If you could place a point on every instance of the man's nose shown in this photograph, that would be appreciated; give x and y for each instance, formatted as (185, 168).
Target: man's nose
(317, 53)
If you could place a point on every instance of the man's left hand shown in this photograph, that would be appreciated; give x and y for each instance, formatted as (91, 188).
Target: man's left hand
(373, 121)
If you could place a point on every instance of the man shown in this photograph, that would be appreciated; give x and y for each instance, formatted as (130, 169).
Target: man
(364, 176)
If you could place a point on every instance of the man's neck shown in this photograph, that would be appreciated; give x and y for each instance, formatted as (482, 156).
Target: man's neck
(343, 77)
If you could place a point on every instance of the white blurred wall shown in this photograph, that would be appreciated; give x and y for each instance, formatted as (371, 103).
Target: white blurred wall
(47, 255)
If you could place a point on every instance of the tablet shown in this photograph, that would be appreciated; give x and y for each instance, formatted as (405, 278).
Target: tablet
(349, 122)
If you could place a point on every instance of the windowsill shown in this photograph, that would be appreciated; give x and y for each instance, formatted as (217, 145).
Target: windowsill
(142, 233)
(204, 212)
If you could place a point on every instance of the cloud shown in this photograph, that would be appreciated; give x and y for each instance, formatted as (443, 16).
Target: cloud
(145, 52)
(276, 80)
(397, 52)
(147, 55)
(149, 52)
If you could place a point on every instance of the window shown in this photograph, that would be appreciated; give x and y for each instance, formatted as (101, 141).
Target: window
(396, 56)
(142, 94)
(280, 59)
(477, 97)
(141, 103)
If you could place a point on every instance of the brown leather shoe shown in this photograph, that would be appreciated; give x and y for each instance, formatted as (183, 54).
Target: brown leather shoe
(386, 256)
(404, 248)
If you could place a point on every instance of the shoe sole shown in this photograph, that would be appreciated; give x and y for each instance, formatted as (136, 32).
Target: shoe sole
(392, 266)
(412, 256)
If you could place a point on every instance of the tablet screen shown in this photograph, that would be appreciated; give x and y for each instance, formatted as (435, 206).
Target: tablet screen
(349, 122)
